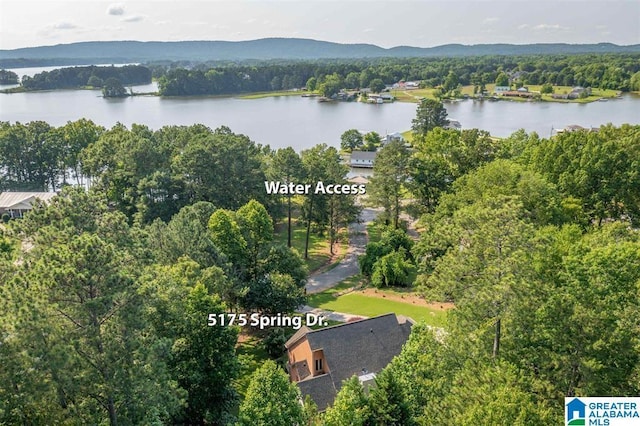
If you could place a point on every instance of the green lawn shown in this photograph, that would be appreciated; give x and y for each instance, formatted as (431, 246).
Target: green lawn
(408, 135)
(260, 95)
(358, 304)
(413, 95)
(319, 299)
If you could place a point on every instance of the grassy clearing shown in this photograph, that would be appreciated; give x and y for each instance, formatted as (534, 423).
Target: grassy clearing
(408, 135)
(596, 94)
(260, 95)
(358, 304)
(468, 90)
(318, 299)
(319, 253)
(413, 95)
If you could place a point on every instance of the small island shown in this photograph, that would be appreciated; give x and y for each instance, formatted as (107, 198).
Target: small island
(113, 88)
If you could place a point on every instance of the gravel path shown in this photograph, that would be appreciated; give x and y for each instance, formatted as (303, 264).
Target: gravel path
(330, 315)
(348, 266)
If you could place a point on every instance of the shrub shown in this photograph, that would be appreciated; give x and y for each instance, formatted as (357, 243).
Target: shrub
(393, 269)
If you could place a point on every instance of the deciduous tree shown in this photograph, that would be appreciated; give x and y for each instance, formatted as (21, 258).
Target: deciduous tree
(271, 399)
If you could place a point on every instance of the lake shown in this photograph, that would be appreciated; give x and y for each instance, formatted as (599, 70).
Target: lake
(303, 122)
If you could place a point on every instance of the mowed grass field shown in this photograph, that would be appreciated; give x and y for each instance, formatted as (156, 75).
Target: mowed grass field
(260, 95)
(413, 95)
(357, 303)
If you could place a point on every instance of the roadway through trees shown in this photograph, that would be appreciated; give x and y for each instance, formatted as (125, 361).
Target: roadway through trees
(348, 266)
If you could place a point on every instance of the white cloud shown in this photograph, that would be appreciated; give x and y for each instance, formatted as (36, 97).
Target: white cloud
(492, 20)
(549, 27)
(64, 26)
(544, 27)
(132, 18)
(116, 9)
(368, 30)
(52, 30)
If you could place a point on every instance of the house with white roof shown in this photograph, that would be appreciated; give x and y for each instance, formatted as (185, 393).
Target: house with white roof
(363, 159)
(16, 204)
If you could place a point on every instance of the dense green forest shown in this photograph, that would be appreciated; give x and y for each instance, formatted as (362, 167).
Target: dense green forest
(94, 76)
(605, 71)
(105, 293)
(536, 242)
(610, 71)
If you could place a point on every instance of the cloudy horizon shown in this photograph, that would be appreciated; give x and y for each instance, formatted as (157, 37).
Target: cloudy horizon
(384, 23)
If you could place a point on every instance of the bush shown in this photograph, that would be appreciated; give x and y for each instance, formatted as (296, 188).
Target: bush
(374, 251)
(6, 247)
(392, 269)
(6, 218)
(397, 239)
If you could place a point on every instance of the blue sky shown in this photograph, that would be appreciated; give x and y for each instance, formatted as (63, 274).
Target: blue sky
(388, 23)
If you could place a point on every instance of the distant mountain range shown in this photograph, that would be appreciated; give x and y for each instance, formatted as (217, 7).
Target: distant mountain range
(270, 48)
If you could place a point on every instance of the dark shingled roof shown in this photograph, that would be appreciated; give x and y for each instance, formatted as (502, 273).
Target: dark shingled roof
(302, 368)
(359, 347)
(320, 389)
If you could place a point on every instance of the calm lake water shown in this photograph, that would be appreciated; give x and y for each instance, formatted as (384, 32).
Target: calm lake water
(303, 122)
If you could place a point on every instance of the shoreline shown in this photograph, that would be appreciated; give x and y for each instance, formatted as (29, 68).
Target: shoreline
(285, 93)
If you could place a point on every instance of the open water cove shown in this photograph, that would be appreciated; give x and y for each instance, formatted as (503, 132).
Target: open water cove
(303, 122)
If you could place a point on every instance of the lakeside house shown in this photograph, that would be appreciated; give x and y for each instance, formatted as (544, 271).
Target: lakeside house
(576, 92)
(16, 204)
(396, 136)
(519, 93)
(359, 180)
(363, 159)
(454, 124)
(320, 360)
(374, 98)
(379, 98)
(405, 85)
(501, 89)
(577, 128)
